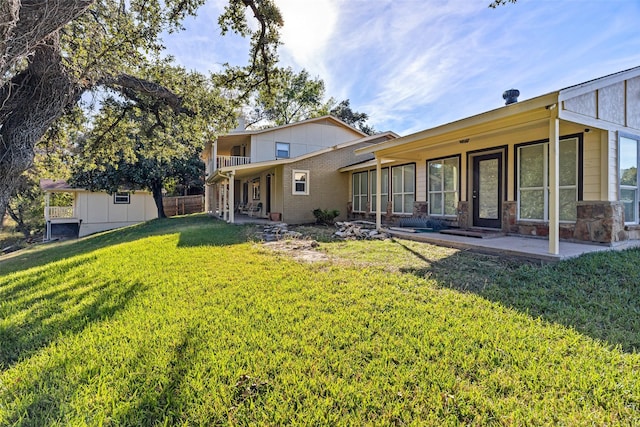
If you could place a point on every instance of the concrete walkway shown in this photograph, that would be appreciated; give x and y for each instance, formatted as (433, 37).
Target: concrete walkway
(531, 248)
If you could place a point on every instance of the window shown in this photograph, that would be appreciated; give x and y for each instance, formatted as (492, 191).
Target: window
(282, 150)
(300, 183)
(384, 190)
(403, 181)
(443, 186)
(360, 191)
(533, 180)
(628, 155)
(121, 198)
(255, 189)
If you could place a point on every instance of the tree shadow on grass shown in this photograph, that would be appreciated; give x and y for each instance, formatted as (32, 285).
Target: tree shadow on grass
(35, 313)
(39, 399)
(195, 230)
(596, 294)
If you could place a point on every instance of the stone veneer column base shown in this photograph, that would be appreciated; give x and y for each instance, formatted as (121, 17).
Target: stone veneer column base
(463, 214)
(420, 209)
(601, 222)
(509, 218)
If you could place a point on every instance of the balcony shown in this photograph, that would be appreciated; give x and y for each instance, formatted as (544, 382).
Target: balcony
(59, 212)
(228, 161)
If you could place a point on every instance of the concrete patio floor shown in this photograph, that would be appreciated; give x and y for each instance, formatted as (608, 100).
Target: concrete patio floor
(531, 248)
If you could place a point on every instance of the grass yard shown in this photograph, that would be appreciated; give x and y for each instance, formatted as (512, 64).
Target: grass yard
(186, 321)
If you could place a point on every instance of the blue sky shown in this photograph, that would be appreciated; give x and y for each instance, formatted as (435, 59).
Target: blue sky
(415, 64)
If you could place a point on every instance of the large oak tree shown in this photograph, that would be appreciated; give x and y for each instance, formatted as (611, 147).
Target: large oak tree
(51, 52)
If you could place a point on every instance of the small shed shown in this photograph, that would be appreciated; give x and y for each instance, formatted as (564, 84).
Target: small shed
(77, 212)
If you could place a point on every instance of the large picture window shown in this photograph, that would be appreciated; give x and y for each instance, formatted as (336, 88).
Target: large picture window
(533, 180)
(403, 183)
(384, 190)
(443, 186)
(628, 155)
(360, 191)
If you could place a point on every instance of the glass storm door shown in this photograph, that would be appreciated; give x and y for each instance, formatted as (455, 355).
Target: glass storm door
(487, 190)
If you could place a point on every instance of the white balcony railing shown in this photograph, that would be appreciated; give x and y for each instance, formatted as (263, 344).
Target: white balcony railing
(226, 161)
(56, 212)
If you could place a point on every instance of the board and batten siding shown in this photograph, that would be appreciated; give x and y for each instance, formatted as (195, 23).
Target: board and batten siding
(303, 139)
(612, 108)
(98, 212)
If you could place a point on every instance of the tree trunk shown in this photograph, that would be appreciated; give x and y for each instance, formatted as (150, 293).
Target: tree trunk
(30, 103)
(156, 189)
(20, 224)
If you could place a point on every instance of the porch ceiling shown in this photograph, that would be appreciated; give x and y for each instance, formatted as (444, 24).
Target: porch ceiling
(501, 120)
(227, 141)
(466, 135)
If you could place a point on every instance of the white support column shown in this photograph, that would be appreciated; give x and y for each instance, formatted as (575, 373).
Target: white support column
(554, 179)
(225, 200)
(232, 203)
(378, 193)
(219, 207)
(47, 201)
(214, 155)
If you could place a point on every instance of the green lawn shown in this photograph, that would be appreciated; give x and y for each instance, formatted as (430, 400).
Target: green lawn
(187, 322)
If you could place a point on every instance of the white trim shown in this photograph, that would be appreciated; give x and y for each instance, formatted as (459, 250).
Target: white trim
(442, 190)
(362, 207)
(554, 181)
(403, 193)
(636, 188)
(592, 85)
(378, 193)
(374, 208)
(294, 181)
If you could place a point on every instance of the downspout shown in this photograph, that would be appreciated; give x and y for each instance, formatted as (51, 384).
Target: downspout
(554, 179)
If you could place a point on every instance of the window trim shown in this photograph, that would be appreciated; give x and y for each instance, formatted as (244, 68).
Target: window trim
(293, 183)
(372, 208)
(125, 195)
(459, 178)
(288, 150)
(636, 220)
(579, 172)
(363, 207)
(393, 211)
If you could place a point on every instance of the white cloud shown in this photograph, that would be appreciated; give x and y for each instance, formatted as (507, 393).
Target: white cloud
(307, 31)
(412, 64)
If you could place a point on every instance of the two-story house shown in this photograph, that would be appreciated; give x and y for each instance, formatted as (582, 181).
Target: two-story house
(284, 172)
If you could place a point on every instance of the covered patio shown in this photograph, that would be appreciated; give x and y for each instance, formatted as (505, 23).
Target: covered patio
(527, 248)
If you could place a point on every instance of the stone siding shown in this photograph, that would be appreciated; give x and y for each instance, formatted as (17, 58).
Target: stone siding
(601, 222)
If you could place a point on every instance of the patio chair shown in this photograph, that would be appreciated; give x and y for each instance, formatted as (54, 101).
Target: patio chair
(255, 210)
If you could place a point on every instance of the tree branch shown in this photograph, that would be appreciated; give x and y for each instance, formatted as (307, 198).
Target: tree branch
(124, 81)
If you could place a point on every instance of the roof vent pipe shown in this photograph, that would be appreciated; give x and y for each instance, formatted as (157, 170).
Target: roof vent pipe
(510, 96)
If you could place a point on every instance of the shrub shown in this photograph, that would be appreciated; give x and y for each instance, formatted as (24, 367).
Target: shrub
(325, 216)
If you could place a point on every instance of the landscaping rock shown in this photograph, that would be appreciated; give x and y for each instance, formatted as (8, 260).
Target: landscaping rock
(279, 231)
(358, 230)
